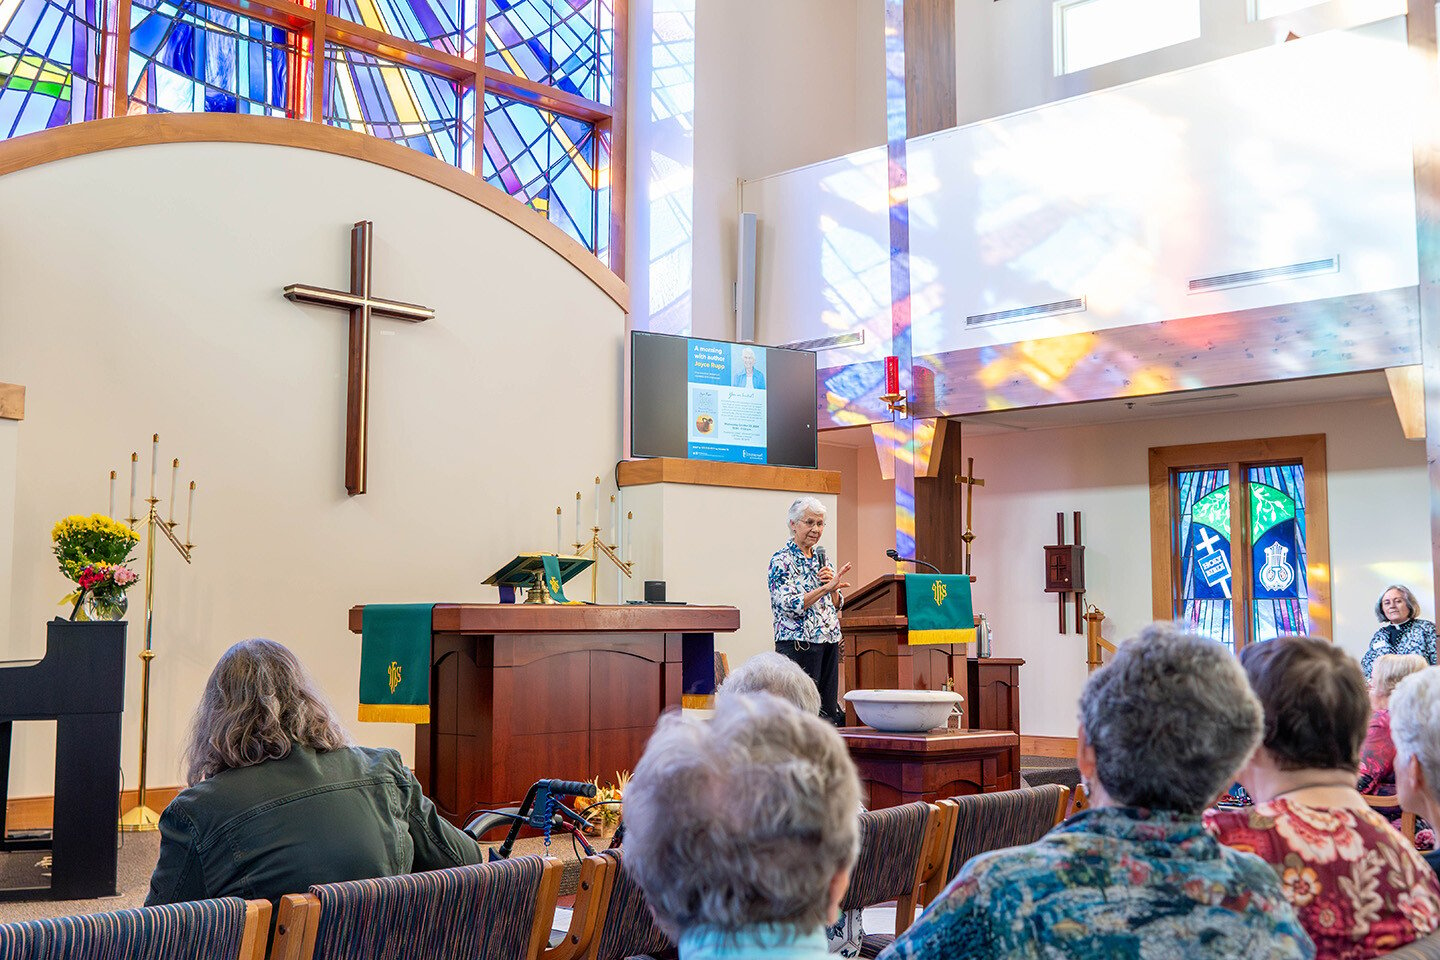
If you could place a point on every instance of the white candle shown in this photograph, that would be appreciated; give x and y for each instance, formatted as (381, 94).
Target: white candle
(190, 514)
(558, 541)
(577, 519)
(154, 462)
(174, 479)
(597, 503)
(112, 493)
(134, 481)
(630, 537)
(614, 521)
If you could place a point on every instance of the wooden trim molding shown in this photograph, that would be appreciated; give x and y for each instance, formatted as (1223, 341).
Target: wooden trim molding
(752, 476)
(1061, 748)
(117, 133)
(38, 813)
(12, 401)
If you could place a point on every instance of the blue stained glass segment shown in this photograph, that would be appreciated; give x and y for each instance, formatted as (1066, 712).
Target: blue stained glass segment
(554, 164)
(1278, 550)
(449, 25)
(194, 58)
(49, 63)
(406, 105)
(568, 44)
(1202, 546)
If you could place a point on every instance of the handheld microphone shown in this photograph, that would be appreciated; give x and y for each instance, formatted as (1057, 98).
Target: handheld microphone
(894, 554)
(820, 556)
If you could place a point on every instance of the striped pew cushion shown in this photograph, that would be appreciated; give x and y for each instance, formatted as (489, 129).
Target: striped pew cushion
(463, 913)
(891, 842)
(198, 930)
(1009, 818)
(630, 928)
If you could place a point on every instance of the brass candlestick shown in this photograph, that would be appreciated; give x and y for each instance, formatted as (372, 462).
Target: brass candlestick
(140, 817)
(595, 549)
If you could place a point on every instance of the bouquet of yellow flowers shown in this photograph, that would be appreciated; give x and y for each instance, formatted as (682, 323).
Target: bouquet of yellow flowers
(603, 811)
(92, 551)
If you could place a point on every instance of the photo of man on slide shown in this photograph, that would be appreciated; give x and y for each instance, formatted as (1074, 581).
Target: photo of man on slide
(750, 377)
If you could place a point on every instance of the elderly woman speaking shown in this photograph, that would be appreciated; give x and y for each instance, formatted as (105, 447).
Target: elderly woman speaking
(803, 588)
(742, 830)
(1163, 728)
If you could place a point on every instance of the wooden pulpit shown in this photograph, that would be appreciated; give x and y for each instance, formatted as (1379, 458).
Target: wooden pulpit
(524, 692)
(877, 655)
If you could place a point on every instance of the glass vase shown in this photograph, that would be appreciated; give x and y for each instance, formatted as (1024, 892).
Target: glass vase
(103, 606)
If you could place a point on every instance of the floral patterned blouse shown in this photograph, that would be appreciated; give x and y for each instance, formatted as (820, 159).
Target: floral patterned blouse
(1377, 758)
(1111, 882)
(1359, 887)
(1412, 636)
(792, 575)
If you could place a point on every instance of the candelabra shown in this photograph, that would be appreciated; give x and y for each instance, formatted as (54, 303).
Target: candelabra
(140, 816)
(596, 547)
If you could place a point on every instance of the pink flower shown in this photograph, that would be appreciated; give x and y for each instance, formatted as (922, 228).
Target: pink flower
(123, 576)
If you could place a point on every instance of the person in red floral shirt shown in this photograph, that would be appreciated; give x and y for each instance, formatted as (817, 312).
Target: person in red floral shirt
(1377, 756)
(1358, 885)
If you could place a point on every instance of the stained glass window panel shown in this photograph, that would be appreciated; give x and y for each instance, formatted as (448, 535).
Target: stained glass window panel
(1277, 549)
(194, 58)
(554, 164)
(400, 103)
(449, 25)
(1202, 546)
(49, 63)
(563, 43)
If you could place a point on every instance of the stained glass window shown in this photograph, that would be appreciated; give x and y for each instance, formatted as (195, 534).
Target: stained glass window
(196, 58)
(552, 163)
(448, 25)
(49, 57)
(1202, 543)
(399, 103)
(562, 43)
(1278, 554)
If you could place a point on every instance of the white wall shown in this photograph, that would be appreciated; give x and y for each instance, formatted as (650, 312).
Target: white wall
(1378, 495)
(144, 295)
(9, 443)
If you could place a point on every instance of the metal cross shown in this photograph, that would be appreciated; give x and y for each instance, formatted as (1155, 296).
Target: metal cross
(970, 482)
(362, 307)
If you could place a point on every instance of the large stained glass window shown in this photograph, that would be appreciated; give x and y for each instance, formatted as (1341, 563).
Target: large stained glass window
(1277, 547)
(49, 63)
(195, 58)
(563, 43)
(449, 25)
(1203, 542)
(399, 103)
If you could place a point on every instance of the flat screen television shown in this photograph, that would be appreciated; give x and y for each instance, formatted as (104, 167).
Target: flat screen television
(716, 400)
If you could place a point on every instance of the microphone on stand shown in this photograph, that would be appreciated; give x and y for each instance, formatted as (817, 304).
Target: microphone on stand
(894, 554)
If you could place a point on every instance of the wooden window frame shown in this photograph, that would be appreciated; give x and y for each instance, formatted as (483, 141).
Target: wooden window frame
(1307, 450)
(314, 28)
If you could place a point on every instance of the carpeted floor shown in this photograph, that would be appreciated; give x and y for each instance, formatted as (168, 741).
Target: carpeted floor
(1035, 771)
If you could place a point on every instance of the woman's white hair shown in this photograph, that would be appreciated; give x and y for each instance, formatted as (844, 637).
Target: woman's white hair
(774, 673)
(1389, 670)
(802, 506)
(742, 820)
(1415, 723)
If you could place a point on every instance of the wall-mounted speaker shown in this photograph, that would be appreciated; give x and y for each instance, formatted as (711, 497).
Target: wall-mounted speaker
(745, 280)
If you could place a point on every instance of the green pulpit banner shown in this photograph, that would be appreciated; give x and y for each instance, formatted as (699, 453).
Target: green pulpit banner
(395, 662)
(554, 583)
(939, 608)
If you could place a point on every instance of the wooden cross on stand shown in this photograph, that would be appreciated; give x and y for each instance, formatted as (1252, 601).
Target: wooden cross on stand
(362, 307)
(970, 482)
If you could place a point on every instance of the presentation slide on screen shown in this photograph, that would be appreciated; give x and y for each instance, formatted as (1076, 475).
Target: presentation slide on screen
(726, 385)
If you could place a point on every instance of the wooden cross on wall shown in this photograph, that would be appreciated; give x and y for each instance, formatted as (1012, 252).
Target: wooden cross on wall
(362, 307)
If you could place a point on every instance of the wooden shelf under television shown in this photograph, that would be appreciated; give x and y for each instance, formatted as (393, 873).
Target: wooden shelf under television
(750, 476)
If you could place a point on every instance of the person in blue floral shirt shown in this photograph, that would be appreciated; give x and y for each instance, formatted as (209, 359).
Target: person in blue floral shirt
(1163, 728)
(1404, 631)
(804, 590)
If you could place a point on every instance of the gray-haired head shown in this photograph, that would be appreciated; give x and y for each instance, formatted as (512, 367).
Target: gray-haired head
(747, 354)
(770, 672)
(742, 820)
(1415, 724)
(1171, 719)
(258, 705)
(802, 506)
(1404, 591)
(1387, 671)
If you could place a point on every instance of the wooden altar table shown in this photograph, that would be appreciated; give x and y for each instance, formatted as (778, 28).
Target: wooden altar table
(524, 692)
(898, 768)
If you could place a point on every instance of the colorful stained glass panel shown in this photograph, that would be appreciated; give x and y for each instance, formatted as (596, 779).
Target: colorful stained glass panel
(554, 164)
(399, 103)
(563, 43)
(194, 58)
(49, 63)
(1278, 554)
(449, 25)
(1202, 546)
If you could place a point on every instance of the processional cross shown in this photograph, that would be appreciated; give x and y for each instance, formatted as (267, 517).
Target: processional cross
(971, 482)
(362, 307)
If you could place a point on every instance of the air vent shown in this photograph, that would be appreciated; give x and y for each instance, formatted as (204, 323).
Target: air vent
(1027, 313)
(1196, 399)
(827, 343)
(1247, 278)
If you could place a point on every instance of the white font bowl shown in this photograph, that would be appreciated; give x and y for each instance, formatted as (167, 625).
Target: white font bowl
(904, 711)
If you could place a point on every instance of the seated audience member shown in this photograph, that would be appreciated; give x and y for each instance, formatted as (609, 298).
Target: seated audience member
(1415, 724)
(774, 673)
(280, 799)
(742, 830)
(1358, 885)
(1163, 728)
(1377, 755)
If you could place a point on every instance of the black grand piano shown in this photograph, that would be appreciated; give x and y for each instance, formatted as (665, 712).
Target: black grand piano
(80, 684)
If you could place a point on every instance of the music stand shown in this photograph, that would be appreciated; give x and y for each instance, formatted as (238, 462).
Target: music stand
(528, 570)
